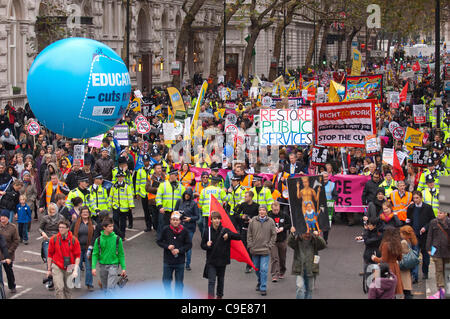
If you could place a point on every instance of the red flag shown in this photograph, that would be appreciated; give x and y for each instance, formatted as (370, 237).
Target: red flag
(416, 66)
(401, 67)
(237, 248)
(428, 69)
(403, 93)
(397, 171)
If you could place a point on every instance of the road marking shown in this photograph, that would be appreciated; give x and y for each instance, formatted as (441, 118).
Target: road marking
(39, 238)
(20, 293)
(132, 229)
(137, 235)
(32, 252)
(29, 268)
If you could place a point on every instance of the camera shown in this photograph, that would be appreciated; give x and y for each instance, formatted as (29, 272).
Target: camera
(48, 282)
(122, 281)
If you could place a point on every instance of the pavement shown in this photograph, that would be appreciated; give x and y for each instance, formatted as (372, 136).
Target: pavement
(340, 265)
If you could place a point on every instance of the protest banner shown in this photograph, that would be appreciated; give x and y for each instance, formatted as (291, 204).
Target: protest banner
(293, 102)
(412, 138)
(349, 189)
(169, 132)
(398, 133)
(388, 156)
(96, 141)
(420, 156)
(308, 204)
(356, 64)
(285, 126)
(319, 155)
(345, 123)
(175, 99)
(420, 113)
(394, 97)
(372, 145)
(364, 87)
(401, 156)
(121, 134)
(78, 154)
(267, 101)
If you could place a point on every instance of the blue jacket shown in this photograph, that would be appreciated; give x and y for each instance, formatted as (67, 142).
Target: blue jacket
(23, 214)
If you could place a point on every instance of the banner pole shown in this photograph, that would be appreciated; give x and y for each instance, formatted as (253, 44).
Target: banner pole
(343, 162)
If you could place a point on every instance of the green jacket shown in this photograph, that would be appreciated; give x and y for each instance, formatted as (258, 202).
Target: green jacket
(304, 252)
(108, 254)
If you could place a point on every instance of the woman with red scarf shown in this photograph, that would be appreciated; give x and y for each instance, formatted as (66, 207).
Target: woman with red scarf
(388, 218)
(175, 240)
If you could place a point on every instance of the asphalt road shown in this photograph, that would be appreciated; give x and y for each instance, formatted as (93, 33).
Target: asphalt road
(340, 265)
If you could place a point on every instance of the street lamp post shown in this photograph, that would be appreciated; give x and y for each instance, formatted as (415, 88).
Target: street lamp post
(437, 65)
(128, 35)
(284, 40)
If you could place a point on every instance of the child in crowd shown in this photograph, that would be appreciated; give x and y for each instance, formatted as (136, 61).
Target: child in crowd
(23, 217)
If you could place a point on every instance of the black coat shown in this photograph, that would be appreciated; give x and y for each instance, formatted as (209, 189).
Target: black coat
(370, 191)
(426, 215)
(219, 253)
(182, 242)
(72, 179)
(10, 200)
(281, 220)
(190, 209)
(372, 240)
(299, 167)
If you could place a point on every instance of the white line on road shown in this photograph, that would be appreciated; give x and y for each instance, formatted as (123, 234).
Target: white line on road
(132, 229)
(137, 235)
(32, 252)
(39, 238)
(29, 268)
(20, 293)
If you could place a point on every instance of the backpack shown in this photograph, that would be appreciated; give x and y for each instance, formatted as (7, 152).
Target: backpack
(100, 248)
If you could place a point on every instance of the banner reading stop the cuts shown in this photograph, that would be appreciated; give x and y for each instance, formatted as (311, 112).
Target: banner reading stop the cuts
(285, 126)
(344, 124)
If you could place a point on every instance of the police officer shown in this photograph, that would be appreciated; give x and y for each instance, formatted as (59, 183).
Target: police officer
(215, 173)
(99, 197)
(431, 194)
(142, 175)
(430, 170)
(263, 195)
(81, 191)
(121, 201)
(166, 198)
(158, 158)
(205, 200)
(236, 196)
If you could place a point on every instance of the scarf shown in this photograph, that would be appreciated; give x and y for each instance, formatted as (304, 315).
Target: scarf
(386, 218)
(177, 230)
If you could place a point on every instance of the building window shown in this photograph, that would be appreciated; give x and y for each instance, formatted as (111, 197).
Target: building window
(12, 46)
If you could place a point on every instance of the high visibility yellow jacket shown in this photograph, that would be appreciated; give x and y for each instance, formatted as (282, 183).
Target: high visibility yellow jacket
(167, 195)
(264, 197)
(122, 197)
(99, 199)
(205, 198)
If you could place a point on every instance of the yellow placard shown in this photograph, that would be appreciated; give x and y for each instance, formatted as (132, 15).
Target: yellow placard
(413, 138)
(356, 65)
(176, 100)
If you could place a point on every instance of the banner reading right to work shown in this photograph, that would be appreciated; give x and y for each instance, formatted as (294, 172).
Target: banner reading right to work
(344, 124)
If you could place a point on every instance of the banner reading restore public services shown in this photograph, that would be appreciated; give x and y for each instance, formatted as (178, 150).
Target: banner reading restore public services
(285, 126)
(344, 124)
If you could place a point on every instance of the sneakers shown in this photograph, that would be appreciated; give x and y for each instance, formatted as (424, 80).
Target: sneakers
(442, 293)
(248, 269)
(435, 296)
(281, 277)
(274, 279)
(425, 276)
(263, 293)
(25, 242)
(90, 288)
(257, 287)
(188, 268)
(13, 291)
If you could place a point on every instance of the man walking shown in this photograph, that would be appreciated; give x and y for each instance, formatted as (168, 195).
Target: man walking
(261, 237)
(278, 251)
(11, 235)
(216, 241)
(63, 250)
(176, 242)
(108, 252)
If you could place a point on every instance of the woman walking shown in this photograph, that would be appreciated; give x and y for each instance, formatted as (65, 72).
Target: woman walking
(409, 240)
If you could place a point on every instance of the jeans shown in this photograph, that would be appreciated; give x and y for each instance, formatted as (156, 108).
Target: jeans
(203, 224)
(11, 216)
(214, 272)
(44, 250)
(167, 278)
(262, 264)
(23, 231)
(304, 286)
(88, 267)
(425, 263)
(189, 252)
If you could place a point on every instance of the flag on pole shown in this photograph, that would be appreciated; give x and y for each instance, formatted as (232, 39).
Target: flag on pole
(403, 93)
(237, 248)
(201, 95)
(397, 171)
(416, 67)
(170, 117)
(176, 99)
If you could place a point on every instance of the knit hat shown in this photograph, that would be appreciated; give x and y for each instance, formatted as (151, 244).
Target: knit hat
(4, 213)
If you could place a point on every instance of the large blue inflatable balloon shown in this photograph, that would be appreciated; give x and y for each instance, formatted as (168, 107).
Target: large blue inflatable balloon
(78, 87)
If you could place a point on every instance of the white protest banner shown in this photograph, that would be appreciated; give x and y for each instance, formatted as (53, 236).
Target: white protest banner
(392, 126)
(78, 154)
(33, 128)
(398, 133)
(372, 146)
(169, 132)
(234, 95)
(420, 113)
(121, 134)
(345, 123)
(305, 94)
(143, 127)
(401, 156)
(388, 156)
(285, 126)
(394, 97)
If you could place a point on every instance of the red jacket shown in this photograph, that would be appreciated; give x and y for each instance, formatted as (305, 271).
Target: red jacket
(58, 248)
